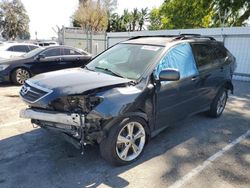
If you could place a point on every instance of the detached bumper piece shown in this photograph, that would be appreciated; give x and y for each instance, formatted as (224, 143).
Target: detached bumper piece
(55, 117)
(71, 126)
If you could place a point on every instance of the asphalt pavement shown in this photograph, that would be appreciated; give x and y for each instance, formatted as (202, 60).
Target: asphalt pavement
(198, 152)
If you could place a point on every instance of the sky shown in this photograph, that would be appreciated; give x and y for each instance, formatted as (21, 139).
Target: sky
(47, 14)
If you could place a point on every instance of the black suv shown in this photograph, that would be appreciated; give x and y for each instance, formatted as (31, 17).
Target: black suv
(131, 92)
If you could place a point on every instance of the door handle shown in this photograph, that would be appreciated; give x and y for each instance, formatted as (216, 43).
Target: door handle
(58, 59)
(194, 78)
(221, 69)
(78, 58)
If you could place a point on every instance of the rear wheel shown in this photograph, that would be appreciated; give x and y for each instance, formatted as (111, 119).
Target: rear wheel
(19, 76)
(218, 105)
(125, 142)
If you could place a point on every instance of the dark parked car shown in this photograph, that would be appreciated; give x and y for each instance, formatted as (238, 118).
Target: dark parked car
(131, 92)
(41, 60)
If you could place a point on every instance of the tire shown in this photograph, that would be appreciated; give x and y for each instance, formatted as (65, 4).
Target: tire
(218, 105)
(127, 149)
(19, 76)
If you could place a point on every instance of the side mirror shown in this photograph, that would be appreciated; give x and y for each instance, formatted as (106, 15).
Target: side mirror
(40, 56)
(169, 75)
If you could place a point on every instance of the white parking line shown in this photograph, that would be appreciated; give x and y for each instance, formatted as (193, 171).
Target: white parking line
(209, 161)
(3, 109)
(13, 123)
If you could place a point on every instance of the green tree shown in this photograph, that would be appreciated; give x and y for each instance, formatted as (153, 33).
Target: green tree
(231, 13)
(175, 14)
(14, 20)
(135, 18)
(143, 17)
(183, 14)
(128, 21)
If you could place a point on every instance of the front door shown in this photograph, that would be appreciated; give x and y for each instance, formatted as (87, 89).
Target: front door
(176, 100)
(52, 61)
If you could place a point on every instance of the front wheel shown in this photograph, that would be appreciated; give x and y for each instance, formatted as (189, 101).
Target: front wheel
(218, 104)
(125, 142)
(19, 76)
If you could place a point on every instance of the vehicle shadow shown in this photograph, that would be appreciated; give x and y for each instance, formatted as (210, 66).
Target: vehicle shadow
(41, 159)
(7, 84)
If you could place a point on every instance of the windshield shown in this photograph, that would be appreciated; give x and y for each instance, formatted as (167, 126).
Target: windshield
(33, 52)
(125, 60)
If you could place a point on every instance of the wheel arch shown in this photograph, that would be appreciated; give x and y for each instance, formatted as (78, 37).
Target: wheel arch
(229, 86)
(137, 114)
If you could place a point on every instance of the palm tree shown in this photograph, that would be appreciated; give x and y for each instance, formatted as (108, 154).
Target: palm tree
(143, 17)
(127, 20)
(135, 18)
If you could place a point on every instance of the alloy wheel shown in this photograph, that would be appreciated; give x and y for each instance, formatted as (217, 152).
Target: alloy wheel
(130, 141)
(22, 75)
(221, 103)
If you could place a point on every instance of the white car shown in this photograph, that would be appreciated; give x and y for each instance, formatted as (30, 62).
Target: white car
(9, 50)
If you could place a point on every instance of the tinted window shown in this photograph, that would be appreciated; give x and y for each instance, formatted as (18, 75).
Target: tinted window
(32, 47)
(204, 54)
(11, 49)
(68, 51)
(20, 48)
(220, 53)
(52, 52)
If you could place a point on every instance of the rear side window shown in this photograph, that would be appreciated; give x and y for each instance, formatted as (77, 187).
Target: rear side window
(68, 51)
(52, 52)
(204, 55)
(221, 53)
(20, 48)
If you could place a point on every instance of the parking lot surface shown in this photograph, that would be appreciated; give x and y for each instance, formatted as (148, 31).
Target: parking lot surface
(198, 152)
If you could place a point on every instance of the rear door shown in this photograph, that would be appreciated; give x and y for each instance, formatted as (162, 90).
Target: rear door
(72, 58)
(210, 72)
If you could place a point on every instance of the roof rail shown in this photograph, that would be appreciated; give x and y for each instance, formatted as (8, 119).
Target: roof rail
(182, 36)
(137, 37)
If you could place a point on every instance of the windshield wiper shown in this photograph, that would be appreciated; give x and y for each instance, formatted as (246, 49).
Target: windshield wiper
(108, 70)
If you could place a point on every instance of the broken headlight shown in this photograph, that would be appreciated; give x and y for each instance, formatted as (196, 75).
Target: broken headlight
(76, 103)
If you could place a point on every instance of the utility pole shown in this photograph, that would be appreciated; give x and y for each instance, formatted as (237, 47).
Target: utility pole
(36, 35)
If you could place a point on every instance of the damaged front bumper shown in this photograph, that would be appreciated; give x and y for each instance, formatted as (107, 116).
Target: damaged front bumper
(73, 119)
(70, 125)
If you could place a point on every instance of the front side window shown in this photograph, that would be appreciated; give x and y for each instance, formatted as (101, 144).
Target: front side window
(10, 49)
(127, 60)
(179, 57)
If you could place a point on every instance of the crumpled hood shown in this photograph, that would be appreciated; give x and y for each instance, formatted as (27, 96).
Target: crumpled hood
(75, 81)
